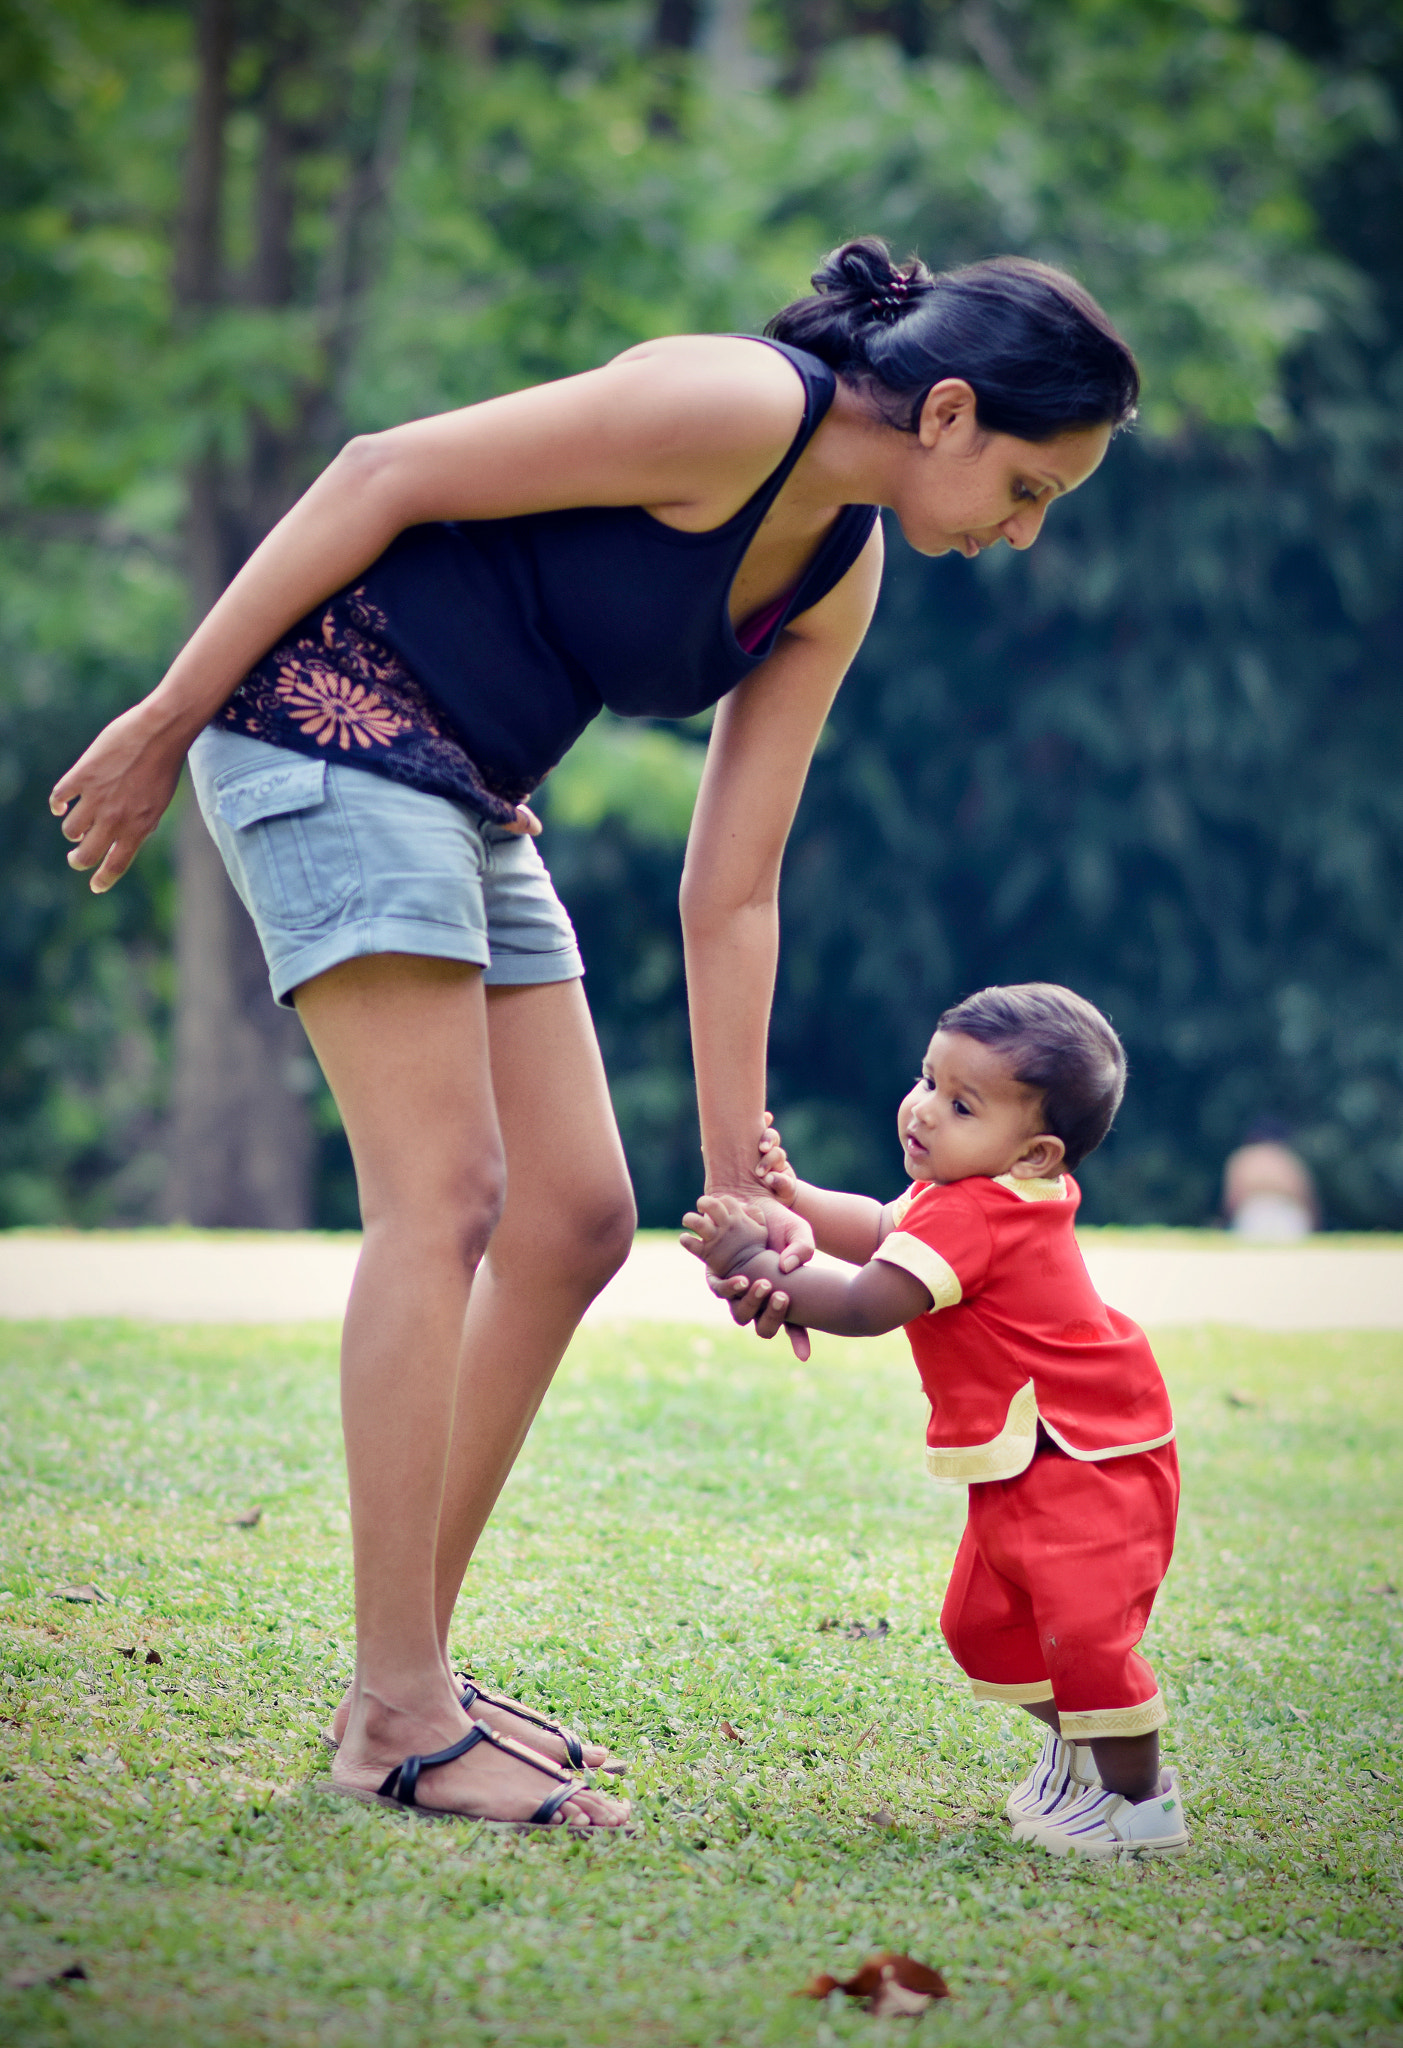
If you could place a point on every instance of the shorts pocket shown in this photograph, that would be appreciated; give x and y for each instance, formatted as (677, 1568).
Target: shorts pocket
(286, 831)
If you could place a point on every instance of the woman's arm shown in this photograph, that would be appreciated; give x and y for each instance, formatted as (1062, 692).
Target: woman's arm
(688, 428)
(761, 746)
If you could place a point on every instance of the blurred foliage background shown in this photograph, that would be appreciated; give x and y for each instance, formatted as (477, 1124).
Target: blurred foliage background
(1157, 758)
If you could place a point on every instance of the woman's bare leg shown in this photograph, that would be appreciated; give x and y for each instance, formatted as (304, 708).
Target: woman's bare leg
(566, 1229)
(403, 1042)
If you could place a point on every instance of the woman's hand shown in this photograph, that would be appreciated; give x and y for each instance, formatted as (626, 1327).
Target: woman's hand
(773, 1169)
(758, 1301)
(115, 795)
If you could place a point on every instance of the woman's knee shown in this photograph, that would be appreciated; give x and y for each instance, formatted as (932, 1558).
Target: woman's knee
(582, 1243)
(447, 1208)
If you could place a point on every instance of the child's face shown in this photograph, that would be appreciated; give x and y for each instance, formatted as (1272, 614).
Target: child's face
(967, 1115)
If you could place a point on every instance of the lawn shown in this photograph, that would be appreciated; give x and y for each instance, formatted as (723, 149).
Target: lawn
(691, 1511)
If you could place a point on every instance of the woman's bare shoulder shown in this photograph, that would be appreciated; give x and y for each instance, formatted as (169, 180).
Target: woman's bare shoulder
(727, 394)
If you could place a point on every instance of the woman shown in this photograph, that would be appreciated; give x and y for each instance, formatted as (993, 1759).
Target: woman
(448, 606)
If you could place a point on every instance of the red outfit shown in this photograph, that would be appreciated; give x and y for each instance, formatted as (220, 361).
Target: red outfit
(1065, 1547)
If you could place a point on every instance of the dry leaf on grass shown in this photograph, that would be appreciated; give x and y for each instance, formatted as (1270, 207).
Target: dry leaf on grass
(881, 1817)
(126, 1653)
(891, 1986)
(86, 1594)
(1296, 1713)
(27, 1980)
(866, 1736)
(154, 1657)
(856, 1631)
(249, 1519)
(731, 1734)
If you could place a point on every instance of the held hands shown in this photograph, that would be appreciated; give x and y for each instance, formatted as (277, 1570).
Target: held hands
(114, 795)
(773, 1169)
(727, 1232)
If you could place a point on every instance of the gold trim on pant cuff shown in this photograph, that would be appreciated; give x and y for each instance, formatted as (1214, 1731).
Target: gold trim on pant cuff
(1090, 1727)
(1033, 1693)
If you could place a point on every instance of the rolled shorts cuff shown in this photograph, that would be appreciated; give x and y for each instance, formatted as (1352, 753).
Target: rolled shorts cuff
(511, 969)
(1093, 1724)
(1033, 1693)
(289, 967)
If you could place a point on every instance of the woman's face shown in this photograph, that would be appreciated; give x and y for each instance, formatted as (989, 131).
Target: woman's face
(963, 489)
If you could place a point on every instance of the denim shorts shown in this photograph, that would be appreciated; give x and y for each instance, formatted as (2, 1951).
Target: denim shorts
(332, 862)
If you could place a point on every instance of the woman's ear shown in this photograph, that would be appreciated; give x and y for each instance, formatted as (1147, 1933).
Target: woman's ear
(1040, 1159)
(948, 412)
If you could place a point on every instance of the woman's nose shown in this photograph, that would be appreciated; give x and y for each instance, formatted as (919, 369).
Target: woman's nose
(1023, 528)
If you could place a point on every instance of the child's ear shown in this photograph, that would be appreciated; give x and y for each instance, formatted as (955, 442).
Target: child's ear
(1040, 1159)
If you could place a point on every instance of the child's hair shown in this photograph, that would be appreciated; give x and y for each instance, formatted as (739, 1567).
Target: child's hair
(1058, 1043)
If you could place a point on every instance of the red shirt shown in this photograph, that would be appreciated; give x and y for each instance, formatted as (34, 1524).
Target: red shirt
(1018, 1335)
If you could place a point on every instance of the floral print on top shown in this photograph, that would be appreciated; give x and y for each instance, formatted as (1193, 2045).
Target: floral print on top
(341, 692)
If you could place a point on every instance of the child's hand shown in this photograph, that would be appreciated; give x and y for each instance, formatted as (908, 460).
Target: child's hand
(725, 1233)
(773, 1169)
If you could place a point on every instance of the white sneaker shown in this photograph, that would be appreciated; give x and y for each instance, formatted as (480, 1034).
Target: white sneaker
(1063, 1771)
(1102, 1824)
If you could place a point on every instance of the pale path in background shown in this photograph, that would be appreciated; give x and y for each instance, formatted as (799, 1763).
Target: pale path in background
(232, 1278)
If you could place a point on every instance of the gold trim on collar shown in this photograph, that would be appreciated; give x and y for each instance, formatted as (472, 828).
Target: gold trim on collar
(1033, 1190)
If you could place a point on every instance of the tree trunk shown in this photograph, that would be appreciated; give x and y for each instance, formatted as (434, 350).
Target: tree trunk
(240, 1143)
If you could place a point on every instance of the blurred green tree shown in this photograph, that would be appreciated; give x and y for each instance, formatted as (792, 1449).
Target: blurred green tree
(1142, 758)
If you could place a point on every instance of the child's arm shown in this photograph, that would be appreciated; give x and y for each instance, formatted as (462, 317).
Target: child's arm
(732, 1241)
(845, 1226)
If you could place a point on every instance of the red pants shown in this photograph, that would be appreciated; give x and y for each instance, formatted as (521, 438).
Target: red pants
(1053, 1584)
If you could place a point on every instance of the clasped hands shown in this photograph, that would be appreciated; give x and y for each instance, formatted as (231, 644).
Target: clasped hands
(729, 1226)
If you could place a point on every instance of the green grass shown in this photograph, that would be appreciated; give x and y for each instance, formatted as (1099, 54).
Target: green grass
(688, 1511)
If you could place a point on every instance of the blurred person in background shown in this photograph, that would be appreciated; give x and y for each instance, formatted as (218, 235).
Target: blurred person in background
(366, 709)
(1267, 1188)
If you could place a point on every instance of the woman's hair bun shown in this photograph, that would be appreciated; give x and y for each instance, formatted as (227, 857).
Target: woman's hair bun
(1038, 352)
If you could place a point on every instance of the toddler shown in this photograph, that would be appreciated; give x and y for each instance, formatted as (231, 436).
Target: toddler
(1048, 1404)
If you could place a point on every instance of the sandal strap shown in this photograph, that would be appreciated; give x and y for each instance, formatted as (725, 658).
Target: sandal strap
(574, 1754)
(548, 1809)
(403, 1780)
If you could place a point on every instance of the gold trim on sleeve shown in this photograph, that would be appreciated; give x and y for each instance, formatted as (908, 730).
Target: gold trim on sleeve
(924, 1263)
(1003, 1457)
(1141, 1720)
(1030, 1695)
(902, 1204)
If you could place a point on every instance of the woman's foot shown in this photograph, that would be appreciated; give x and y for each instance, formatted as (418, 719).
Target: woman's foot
(498, 1715)
(489, 1783)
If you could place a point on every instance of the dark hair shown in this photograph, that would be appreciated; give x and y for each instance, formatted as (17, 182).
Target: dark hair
(1037, 350)
(1058, 1043)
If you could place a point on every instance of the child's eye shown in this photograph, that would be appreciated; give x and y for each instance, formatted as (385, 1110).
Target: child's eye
(961, 1108)
(925, 1081)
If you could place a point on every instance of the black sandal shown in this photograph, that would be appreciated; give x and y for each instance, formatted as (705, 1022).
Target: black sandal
(401, 1787)
(574, 1754)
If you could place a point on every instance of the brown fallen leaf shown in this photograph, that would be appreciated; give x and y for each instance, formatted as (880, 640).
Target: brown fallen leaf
(731, 1734)
(1296, 1713)
(88, 1595)
(892, 1986)
(1387, 1591)
(881, 1817)
(866, 1736)
(829, 1621)
(154, 1657)
(27, 1980)
(126, 1653)
(249, 1519)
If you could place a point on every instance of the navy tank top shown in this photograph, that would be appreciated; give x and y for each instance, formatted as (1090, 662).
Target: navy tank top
(469, 658)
